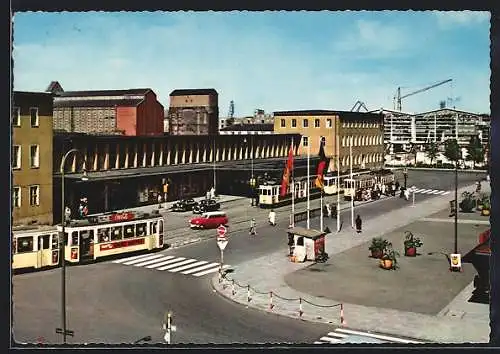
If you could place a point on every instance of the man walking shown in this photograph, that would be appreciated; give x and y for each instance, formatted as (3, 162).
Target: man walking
(253, 231)
(359, 223)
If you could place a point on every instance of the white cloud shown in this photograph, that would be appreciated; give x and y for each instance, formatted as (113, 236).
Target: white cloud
(451, 19)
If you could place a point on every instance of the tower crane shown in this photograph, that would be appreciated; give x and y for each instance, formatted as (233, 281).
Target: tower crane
(399, 98)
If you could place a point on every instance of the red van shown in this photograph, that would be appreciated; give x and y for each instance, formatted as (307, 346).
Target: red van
(209, 220)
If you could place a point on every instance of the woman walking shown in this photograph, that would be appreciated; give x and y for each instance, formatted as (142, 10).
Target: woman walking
(359, 223)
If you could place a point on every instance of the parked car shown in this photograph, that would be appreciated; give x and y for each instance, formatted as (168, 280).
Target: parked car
(206, 205)
(184, 205)
(209, 220)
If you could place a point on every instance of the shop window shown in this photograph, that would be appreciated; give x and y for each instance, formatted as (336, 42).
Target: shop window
(24, 244)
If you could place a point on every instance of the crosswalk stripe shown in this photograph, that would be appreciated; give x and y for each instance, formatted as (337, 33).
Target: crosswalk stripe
(178, 259)
(436, 191)
(425, 191)
(440, 193)
(129, 258)
(187, 266)
(319, 342)
(143, 259)
(339, 335)
(377, 336)
(177, 264)
(447, 192)
(153, 261)
(197, 269)
(210, 271)
(419, 190)
(331, 340)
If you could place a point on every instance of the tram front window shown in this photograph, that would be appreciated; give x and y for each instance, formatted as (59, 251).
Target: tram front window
(74, 238)
(24, 244)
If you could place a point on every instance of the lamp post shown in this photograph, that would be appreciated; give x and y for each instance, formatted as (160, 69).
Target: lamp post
(405, 175)
(62, 254)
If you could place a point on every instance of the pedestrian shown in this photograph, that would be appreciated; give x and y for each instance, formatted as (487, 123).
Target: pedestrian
(272, 217)
(253, 231)
(359, 223)
(328, 210)
(159, 200)
(407, 194)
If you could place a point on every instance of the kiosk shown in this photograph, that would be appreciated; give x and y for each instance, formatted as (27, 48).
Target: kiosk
(305, 244)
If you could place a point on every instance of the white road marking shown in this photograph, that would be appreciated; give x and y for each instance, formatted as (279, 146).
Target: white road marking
(377, 336)
(419, 190)
(339, 335)
(178, 259)
(187, 266)
(319, 342)
(425, 191)
(177, 264)
(331, 340)
(200, 268)
(129, 258)
(143, 259)
(436, 191)
(446, 193)
(153, 261)
(210, 271)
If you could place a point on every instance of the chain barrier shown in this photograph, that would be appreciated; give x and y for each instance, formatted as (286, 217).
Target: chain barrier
(271, 295)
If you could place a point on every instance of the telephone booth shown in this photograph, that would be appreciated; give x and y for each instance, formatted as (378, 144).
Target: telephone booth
(305, 244)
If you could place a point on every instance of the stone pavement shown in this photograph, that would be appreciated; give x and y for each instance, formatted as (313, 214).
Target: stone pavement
(267, 274)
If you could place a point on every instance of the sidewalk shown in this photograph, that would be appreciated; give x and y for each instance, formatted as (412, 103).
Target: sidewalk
(260, 283)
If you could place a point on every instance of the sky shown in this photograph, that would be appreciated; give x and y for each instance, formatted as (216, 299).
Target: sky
(263, 60)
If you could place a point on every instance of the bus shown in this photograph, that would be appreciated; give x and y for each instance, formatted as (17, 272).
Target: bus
(87, 240)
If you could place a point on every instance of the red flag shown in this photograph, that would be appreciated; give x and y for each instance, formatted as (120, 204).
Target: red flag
(321, 167)
(286, 173)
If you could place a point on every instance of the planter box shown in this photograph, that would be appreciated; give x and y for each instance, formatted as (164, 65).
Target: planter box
(410, 251)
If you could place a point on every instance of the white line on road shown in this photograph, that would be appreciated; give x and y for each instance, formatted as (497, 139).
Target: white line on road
(419, 190)
(128, 258)
(339, 335)
(446, 193)
(377, 336)
(331, 340)
(175, 260)
(200, 268)
(210, 271)
(187, 266)
(177, 264)
(143, 259)
(436, 191)
(153, 261)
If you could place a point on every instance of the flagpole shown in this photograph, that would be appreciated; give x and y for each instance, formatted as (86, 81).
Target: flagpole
(293, 190)
(338, 184)
(308, 184)
(321, 197)
(353, 185)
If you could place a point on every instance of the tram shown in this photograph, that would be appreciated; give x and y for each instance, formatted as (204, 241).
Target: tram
(88, 240)
(270, 196)
(330, 182)
(366, 181)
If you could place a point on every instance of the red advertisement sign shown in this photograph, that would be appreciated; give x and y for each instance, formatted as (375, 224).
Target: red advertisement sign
(121, 217)
(120, 244)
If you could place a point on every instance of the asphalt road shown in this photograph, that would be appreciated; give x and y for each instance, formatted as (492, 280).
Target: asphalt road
(116, 303)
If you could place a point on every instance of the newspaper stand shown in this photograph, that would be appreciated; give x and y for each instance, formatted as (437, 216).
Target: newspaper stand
(305, 244)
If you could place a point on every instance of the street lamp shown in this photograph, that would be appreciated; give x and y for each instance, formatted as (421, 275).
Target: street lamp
(405, 174)
(62, 252)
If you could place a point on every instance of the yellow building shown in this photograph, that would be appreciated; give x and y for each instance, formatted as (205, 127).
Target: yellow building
(32, 158)
(365, 130)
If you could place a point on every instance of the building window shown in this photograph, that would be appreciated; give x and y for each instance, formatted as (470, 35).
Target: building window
(294, 123)
(34, 117)
(16, 197)
(323, 140)
(316, 123)
(16, 117)
(343, 141)
(16, 156)
(34, 156)
(305, 123)
(283, 123)
(305, 141)
(34, 195)
(329, 123)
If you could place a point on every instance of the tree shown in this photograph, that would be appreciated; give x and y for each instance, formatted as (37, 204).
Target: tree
(475, 151)
(452, 150)
(432, 150)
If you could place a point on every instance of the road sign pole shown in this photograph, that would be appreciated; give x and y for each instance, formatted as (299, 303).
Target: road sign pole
(221, 264)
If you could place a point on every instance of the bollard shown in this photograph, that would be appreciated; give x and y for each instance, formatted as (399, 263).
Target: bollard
(248, 293)
(342, 321)
(300, 307)
(233, 288)
(271, 301)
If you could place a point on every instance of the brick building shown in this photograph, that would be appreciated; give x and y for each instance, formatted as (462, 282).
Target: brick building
(132, 112)
(32, 158)
(194, 112)
(365, 129)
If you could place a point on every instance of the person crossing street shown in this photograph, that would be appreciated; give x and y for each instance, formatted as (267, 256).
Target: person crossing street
(272, 217)
(253, 230)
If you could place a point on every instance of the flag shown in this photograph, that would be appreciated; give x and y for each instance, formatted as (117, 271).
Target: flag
(321, 167)
(286, 173)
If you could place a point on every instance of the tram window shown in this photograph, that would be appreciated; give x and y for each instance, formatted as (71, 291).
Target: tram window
(153, 227)
(66, 238)
(55, 241)
(103, 235)
(161, 227)
(116, 233)
(141, 229)
(129, 231)
(24, 244)
(74, 238)
(87, 234)
(45, 242)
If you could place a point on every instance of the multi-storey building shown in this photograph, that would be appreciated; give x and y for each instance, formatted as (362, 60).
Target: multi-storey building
(32, 158)
(259, 117)
(132, 112)
(364, 131)
(194, 112)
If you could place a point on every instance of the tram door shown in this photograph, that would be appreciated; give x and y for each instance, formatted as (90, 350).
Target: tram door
(86, 244)
(44, 253)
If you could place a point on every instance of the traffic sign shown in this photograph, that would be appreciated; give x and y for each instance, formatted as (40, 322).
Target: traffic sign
(222, 243)
(455, 260)
(221, 231)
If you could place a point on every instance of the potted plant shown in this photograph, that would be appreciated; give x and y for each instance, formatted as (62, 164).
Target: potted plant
(411, 244)
(468, 202)
(389, 260)
(485, 211)
(378, 247)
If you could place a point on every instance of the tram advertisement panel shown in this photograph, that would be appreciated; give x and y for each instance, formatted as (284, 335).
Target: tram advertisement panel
(120, 244)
